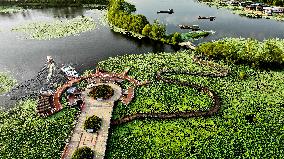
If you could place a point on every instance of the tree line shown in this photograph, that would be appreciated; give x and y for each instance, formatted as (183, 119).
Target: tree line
(120, 14)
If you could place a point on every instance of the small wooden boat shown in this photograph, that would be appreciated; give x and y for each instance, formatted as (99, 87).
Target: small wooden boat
(170, 11)
(211, 18)
(184, 26)
(193, 27)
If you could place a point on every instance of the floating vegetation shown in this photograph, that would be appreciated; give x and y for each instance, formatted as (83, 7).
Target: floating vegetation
(8, 9)
(6, 82)
(57, 29)
(195, 35)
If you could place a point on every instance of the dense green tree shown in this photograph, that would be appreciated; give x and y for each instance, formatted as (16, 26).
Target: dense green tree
(157, 31)
(176, 38)
(146, 30)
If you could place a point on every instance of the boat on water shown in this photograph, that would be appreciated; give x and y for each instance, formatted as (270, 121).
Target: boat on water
(192, 27)
(211, 18)
(169, 11)
(70, 71)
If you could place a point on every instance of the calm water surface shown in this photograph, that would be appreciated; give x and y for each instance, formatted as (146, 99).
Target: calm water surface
(225, 25)
(23, 58)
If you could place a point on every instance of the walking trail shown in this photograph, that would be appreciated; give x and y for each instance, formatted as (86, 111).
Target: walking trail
(96, 141)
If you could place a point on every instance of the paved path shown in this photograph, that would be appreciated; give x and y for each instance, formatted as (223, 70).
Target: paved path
(96, 141)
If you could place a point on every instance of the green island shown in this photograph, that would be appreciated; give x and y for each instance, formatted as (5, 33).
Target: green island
(57, 29)
(120, 11)
(222, 100)
(9, 9)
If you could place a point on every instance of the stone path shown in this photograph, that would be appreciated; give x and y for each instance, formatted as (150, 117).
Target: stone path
(96, 141)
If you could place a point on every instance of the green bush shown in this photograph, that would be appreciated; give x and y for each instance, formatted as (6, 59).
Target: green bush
(83, 153)
(242, 75)
(102, 91)
(82, 84)
(93, 122)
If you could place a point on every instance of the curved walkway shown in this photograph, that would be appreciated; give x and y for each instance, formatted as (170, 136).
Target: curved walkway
(216, 100)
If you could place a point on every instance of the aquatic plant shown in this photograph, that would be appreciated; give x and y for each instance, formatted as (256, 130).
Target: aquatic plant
(126, 32)
(10, 9)
(250, 51)
(194, 35)
(230, 134)
(54, 3)
(57, 29)
(26, 135)
(6, 82)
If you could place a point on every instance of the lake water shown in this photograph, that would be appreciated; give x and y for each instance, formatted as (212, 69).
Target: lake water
(23, 58)
(225, 25)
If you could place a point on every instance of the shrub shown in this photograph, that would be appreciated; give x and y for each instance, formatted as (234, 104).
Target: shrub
(93, 122)
(82, 84)
(102, 91)
(83, 153)
(242, 75)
